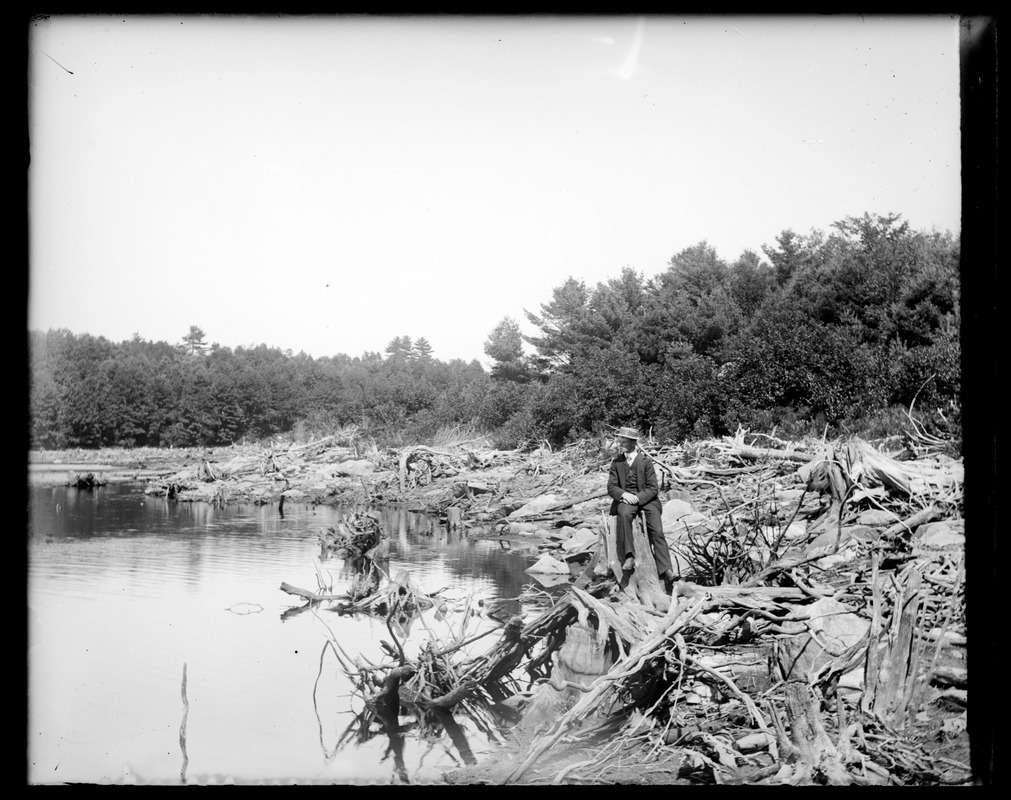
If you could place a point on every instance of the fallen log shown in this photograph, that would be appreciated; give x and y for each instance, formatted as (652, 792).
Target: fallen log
(756, 453)
(927, 514)
(312, 597)
(388, 697)
(957, 677)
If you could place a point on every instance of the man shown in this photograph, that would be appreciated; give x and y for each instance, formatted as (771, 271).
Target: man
(634, 490)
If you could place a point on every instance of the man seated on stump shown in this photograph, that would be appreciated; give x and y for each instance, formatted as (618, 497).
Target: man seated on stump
(634, 490)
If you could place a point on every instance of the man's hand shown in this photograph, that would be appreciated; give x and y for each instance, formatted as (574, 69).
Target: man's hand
(628, 497)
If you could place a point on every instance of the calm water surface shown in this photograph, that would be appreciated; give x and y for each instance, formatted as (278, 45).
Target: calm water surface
(125, 589)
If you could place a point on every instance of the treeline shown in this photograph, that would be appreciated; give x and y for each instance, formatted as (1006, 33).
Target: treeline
(826, 332)
(89, 392)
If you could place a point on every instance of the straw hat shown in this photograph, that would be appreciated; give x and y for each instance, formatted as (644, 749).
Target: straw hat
(628, 433)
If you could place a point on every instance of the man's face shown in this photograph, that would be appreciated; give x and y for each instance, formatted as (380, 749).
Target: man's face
(628, 445)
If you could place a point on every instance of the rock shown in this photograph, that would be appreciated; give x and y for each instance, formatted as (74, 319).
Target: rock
(789, 495)
(848, 547)
(854, 679)
(562, 534)
(835, 625)
(939, 536)
(549, 564)
(535, 506)
(678, 557)
(754, 742)
(526, 528)
(579, 540)
(354, 468)
(692, 521)
(549, 579)
(795, 530)
(843, 535)
(674, 510)
(865, 533)
(875, 516)
(844, 556)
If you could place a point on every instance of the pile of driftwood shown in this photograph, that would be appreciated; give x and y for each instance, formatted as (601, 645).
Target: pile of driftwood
(86, 480)
(464, 479)
(816, 635)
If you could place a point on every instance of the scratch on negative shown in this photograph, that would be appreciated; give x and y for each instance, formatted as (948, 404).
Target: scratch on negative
(57, 63)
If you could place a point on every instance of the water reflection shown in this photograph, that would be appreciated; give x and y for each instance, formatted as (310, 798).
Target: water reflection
(125, 589)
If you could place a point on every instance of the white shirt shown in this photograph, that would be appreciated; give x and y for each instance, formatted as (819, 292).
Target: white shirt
(630, 457)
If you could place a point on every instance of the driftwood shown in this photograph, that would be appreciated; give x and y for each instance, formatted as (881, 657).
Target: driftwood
(406, 456)
(908, 525)
(312, 597)
(677, 617)
(388, 697)
(86, 481)
(756, 453)
(838, 720)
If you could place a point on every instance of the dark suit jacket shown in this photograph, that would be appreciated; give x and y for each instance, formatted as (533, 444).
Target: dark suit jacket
(645, 477)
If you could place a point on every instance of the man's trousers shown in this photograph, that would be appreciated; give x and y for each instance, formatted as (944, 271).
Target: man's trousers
(654, 532)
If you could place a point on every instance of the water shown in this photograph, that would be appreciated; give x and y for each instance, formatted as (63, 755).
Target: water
(124, 590)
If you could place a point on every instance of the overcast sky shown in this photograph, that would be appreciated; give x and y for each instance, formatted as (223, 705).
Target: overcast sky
(325, 184)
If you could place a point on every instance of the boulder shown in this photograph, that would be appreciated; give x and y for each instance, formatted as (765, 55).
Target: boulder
(789, 495)
(354, 468)
(678, 556)
(754, 742)
(549, 579)
(875, 516)
(581, 539)
(550, 565)
(535, 506)
(948, 535)
(836, 627)
(826, 541)
(525, 528)
(674, 510)
(693, 521)
(562, 534)
(796, 530)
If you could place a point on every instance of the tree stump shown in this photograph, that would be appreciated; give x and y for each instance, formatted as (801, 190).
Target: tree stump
(644, 584)
(607, 549)
(811, 757)
(889, 699)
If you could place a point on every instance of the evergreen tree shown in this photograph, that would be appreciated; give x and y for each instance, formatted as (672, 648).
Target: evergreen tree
(422, 349)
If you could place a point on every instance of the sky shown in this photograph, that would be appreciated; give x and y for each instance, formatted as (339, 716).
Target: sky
(325, 184)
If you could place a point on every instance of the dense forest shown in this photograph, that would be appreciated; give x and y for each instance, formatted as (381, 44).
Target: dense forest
(827, 333)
